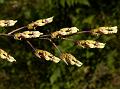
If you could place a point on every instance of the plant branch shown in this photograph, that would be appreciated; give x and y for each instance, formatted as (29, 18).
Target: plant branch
(45, 36)
(13, 31)
(31, 45)
(83, 32)
(3, 34)
(52, 43)
(55, 45)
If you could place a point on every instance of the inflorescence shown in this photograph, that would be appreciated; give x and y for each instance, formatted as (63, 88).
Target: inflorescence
(62, 33)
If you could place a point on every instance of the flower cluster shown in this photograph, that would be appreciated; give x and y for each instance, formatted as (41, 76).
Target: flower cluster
(47, 55)
(104, 30)
(6, 23)
(70, 59)
(40, 22)
(90, 44)
(6, 56)
(66, 57)
(27, 34)
(64, 32)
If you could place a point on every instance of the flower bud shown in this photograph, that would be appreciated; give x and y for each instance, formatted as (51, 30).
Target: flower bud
(6, 23)
(68, 58)
(6, 56)
(27, 34)
(46, 55)
(90, 44)
(64, 32)
(40, 22)
(104, 30)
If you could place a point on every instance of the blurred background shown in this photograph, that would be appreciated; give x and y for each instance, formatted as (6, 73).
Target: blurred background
(101, 67)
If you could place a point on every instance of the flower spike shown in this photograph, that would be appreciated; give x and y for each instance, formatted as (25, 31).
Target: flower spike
(104, 30)
(47, 55)
(90, 44)
(40, 22)
(6, 56)
(6, 23)
(64, 32)
(27, 34)
(70, 59)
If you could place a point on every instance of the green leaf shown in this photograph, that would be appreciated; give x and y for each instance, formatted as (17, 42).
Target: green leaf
(55, 86)
(55, 76)
(89, 19)
(62, 2)
(84, 2)
(2, 1)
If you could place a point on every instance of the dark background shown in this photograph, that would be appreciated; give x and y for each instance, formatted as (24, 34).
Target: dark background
(101, 67)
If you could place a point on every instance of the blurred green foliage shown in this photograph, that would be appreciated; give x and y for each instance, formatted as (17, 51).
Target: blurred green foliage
(101, 69)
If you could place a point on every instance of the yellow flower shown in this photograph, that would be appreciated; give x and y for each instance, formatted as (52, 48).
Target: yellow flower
(5, 55)
(104, 30)
(40, 22)
(27, 34)
(5, 23)
(90, 44)
(54, 34)
(68, 58)
(64, 32)
(47, 55)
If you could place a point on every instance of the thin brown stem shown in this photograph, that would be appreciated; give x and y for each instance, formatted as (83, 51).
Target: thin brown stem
(52, 43)
(83, 32)
(13, 31)
(57, 49)
(31, 45)
(55, 46)
(3, 34)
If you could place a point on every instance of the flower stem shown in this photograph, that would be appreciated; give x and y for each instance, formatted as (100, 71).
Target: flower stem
(31, 45)
(16, 30)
